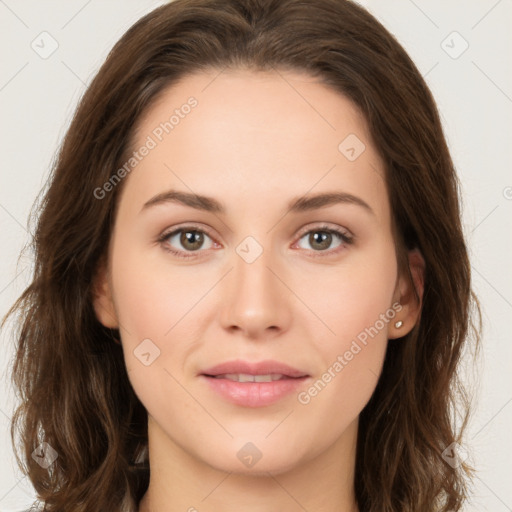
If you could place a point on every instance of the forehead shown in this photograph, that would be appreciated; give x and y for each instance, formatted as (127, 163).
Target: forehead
(290, 105)
(255, 134)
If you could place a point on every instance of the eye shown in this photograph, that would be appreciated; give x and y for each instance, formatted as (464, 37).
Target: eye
(322, 237)
(190, 238)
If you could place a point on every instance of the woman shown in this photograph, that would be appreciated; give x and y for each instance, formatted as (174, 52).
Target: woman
(300, 356)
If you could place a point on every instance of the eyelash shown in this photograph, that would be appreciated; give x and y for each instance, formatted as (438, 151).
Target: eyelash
(344, 237)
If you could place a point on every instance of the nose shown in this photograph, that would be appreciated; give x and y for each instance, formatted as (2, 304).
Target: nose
(256, 300)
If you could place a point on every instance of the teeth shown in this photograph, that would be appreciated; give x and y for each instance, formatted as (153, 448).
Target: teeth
(244, 377)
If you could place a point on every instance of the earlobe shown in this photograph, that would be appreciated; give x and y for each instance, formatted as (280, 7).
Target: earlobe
(102, 299)
(409, 295)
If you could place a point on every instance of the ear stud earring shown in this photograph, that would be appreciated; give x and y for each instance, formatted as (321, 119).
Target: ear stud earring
(399, 324)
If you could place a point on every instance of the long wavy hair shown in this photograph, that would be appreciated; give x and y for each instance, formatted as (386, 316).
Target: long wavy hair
(68, 373)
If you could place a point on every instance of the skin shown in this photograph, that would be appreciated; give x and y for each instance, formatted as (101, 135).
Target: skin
(254, 142)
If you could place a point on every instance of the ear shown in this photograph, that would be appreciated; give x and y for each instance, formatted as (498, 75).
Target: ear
(102, 298)
(405, 294)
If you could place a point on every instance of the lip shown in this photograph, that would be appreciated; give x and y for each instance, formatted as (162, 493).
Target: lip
(257, 368)
(254, 394)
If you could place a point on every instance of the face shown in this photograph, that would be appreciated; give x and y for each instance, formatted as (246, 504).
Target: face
(259, 271)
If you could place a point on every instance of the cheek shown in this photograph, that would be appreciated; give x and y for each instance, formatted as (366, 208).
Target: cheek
(357, 308)
(354, 295)
(352, 363)
(156, 307)
(153, 296)
(155, 304)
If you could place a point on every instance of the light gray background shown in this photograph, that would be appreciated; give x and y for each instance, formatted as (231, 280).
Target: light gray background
(474, 94)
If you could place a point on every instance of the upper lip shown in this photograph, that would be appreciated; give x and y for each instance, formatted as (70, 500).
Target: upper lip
(256, 368)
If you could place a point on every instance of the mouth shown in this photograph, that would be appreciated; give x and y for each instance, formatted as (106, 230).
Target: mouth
(253, 384)
(246, 371)
(251, 391)
(247, 377)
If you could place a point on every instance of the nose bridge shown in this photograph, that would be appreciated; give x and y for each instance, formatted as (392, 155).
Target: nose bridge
(254, 298)
(252, 277)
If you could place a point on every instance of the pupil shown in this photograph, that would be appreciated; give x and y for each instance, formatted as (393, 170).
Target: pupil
(323, 236)
(187, 237)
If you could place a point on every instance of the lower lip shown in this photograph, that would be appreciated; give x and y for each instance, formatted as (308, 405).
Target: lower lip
(254, 394)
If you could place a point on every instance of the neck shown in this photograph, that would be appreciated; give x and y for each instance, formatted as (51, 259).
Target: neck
(179, 481)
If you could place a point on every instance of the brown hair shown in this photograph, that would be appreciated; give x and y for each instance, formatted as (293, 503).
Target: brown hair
(71, 378)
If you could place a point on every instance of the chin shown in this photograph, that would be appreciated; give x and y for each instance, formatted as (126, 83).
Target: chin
(249, 459)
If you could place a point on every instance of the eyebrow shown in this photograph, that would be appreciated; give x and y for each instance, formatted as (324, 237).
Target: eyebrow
(296, 205)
